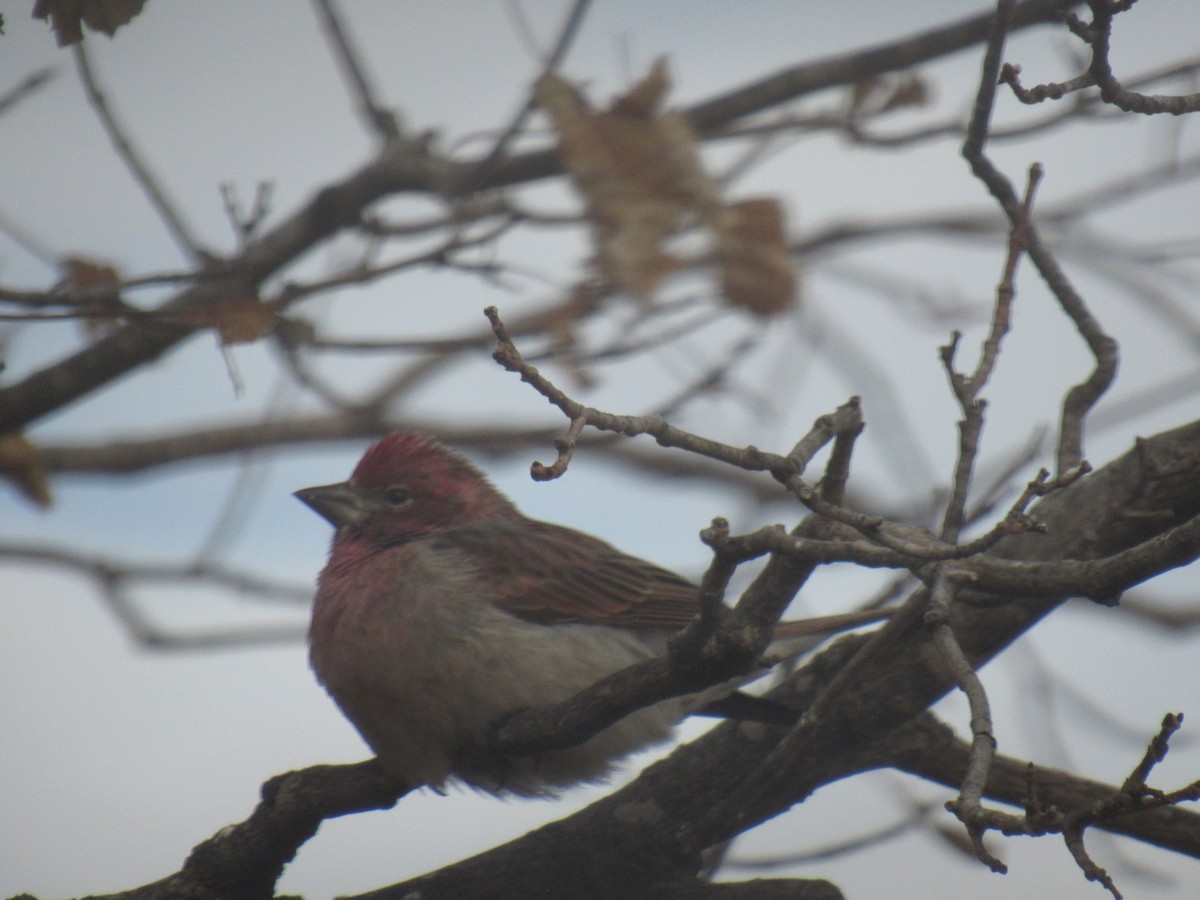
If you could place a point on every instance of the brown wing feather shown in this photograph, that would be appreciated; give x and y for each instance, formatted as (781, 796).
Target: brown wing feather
(549, 574)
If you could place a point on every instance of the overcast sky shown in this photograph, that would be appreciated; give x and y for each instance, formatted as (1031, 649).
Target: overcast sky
(115, 760)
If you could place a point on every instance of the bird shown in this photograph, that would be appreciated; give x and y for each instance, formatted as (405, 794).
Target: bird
(442, 610)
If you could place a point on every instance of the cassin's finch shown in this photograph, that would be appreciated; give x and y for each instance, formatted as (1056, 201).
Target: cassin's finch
(442, 610)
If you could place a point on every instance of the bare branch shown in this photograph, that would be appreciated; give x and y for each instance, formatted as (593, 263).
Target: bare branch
(1011, 75)
(1081, 398)
(114, 579)
(245, 860)
(967, 388)
(245, 224)
(109, 570)
(849, 68)
(409, 166)
(25, 87)
(1098, 35)
(858, 701)
(920, 815)
(929, 749)
(968, 806)
(382, 120)
(508, 356)
(179, 230)
(552, 60)
(834, 740)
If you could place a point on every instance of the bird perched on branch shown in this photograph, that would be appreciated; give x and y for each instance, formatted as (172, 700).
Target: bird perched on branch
(442, 610)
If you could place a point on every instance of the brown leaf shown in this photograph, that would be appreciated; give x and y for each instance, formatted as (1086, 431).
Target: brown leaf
(910, 90)
(756, 267)
(21, 463)
(884, 93)
(81, 273)
(638, 171)
(861, 91)
(100, 314)
(643, 100)
(67, 17)
(236, 321)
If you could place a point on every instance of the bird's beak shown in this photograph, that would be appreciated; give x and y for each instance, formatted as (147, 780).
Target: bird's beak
(338, 504)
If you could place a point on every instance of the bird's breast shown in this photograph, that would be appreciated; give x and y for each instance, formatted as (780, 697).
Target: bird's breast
(412, 649)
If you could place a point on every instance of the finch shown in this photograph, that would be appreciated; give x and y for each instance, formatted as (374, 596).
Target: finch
(442, 610)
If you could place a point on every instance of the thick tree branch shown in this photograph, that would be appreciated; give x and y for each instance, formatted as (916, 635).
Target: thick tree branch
(654, 830)
(853, 734)
(244, 861)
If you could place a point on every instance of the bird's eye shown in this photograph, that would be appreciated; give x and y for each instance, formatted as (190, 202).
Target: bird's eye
(397, 496)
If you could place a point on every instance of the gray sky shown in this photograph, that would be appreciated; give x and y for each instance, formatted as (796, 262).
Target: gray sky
(116, 760)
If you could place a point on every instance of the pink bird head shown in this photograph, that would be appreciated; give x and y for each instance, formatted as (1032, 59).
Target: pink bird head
(405, 486)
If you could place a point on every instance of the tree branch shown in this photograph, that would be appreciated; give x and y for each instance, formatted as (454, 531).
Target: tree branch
(407, 167)
(654, 830)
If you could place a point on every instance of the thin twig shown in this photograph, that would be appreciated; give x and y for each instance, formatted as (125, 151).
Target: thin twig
(1082, 397)
(907, 540)
(821, 433)
(1001, 481)
(25, 87)
(1111, 89)
(1097, 35)
(115, 579)
(510, 358)
(382, 120)
(552, 61)
(443, 255)
(967, 388)
(224, 577)
(412, 167)
(566, 449)
(179, 230)
(848, 424)
(1011, 75)
(246, 224)
(983, 741)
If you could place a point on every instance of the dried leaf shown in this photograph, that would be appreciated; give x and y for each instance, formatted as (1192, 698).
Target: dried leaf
(81, 273)
(236, 321)
(884, 93)
(638, 171)
(861, 92)
(756, 267)
(67, 17)
(21, 463)
(101, 313)
(644, 99)
(911, 90)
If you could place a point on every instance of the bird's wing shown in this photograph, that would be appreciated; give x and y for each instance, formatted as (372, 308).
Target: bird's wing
(549, 574)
